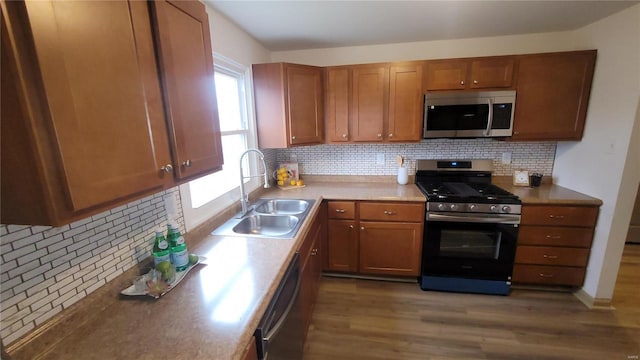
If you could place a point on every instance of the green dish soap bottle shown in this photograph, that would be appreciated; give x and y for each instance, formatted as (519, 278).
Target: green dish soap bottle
(161, 251)
(177, 247)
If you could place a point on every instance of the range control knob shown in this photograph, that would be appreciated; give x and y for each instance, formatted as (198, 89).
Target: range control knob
(506, 209)
(441, 206)
(454, 207)
(472, 207)
(493, 208)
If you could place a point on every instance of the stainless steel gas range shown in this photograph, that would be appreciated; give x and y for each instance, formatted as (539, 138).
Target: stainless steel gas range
(471, 228)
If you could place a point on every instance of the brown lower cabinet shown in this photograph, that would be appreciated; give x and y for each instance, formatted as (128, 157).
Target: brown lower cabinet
(311, 266)
(553, 244)
(377, 238)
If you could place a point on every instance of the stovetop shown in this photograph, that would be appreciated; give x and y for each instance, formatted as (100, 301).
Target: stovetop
(460, 181)
(467, 192)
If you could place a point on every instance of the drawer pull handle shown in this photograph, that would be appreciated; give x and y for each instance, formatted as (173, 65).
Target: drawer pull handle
(553, 236)
(389, 212)
(550, 256)
(361, 227)
(545, 275)
(340, 211)
(314, 252)
(350, 226)
(557, 217)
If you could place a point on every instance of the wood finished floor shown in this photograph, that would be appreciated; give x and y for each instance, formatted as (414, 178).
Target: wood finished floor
(364, 319)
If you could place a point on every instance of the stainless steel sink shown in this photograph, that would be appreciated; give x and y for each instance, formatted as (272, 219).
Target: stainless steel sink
(269, 218)
(282, 206)
(266, 225)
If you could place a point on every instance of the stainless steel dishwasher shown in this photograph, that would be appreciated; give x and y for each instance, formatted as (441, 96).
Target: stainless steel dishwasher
(279, 335)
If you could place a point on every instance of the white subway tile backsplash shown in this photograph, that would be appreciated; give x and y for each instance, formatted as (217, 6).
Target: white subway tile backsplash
(360, 159)
(47, 269)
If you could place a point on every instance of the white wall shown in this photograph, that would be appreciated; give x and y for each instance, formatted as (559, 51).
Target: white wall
(604, 164)
(501, 45)
(234, 43)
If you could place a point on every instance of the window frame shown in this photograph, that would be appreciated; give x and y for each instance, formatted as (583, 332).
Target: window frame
(194, 217)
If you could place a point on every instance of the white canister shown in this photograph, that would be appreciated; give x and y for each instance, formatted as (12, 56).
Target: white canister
(403, 175)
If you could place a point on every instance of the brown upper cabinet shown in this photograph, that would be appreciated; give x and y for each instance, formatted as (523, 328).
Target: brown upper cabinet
(289, 106)
(469, 74)
(186, 68)
(374, 102)
(84, 126)
(552, 94)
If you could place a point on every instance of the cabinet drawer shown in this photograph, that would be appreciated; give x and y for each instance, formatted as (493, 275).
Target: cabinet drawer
(413, 212)
(548, 275)
(547, 255)
(584, 216)
(555, 236)
(341, 209)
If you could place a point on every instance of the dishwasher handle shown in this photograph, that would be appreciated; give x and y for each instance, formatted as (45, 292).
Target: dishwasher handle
(276, 328)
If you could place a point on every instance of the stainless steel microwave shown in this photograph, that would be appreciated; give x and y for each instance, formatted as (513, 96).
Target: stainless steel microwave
(469, 114)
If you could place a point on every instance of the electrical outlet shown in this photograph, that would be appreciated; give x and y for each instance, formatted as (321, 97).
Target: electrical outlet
(380, 159)
(506, 158)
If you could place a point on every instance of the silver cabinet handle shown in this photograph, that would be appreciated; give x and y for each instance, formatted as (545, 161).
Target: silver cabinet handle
(553, 236)
(557, 217)
(167, 168)
(389, 212)
(475, 82)
(516, 133)
(350, 226)
(344, 136)
(551, 257)
(340, 211)
(187, 163)
(361, 227)
(293, 137)
(461, 82)
(545, 275)
(314, 252)
(390, 136)
(379, 135)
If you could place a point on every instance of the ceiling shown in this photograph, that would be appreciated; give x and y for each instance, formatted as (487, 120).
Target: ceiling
(301, 24)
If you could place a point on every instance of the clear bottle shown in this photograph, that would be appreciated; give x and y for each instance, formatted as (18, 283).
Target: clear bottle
(161, 251)
(177, 247)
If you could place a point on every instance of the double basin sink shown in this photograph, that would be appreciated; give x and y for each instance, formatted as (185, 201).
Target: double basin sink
(269, 218)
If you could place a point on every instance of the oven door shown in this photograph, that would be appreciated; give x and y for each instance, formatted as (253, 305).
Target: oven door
(471, 246)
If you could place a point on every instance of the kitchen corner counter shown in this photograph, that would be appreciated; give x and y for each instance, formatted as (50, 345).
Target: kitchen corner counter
(546, 194)
(212, 313)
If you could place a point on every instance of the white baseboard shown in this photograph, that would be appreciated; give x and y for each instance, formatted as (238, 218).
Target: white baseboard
(593, 303)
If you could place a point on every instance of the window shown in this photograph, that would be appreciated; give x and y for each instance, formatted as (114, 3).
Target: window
(204, 197)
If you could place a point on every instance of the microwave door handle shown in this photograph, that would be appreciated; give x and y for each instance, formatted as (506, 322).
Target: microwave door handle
(489, 118)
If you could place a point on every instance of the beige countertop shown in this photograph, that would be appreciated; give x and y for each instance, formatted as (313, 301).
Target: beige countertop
(213, 312)
(546, 194)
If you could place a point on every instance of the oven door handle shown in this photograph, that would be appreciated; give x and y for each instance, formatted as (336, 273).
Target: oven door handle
(475, 218)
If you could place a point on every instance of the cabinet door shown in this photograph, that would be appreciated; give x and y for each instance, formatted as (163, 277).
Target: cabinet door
(552, 94)
(390, 248)
(186, 61)
(405, 103)
(492, 73)
(337, 104)
(342, 245)
(305, 107)
(99, 126)
(446, 74)
(369, 102)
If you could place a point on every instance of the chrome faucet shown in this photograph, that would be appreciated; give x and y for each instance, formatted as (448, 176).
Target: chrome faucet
(244, 197)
